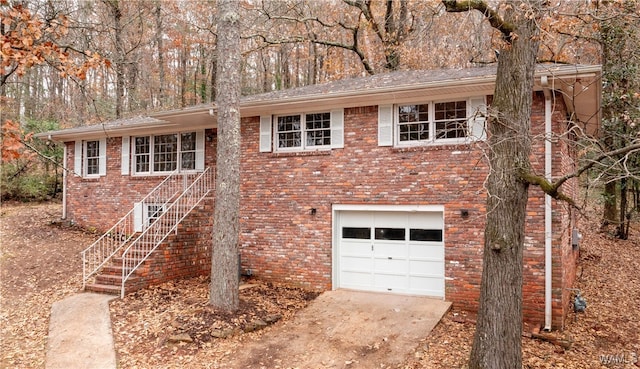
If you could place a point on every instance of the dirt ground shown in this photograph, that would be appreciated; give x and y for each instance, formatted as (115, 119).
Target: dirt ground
(39, 265)
(167, 326)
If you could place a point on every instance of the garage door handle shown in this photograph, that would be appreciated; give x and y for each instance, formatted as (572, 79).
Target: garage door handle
(390, 258)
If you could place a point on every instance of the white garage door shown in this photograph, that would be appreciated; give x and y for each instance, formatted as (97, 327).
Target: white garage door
(401, 252)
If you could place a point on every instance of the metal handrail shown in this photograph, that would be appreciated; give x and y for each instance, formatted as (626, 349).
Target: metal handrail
(112, 241)
(164, 224)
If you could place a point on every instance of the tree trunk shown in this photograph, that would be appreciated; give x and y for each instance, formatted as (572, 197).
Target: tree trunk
(119, 60)
(609, 210)
(497, 341)
(224, 256)
(160, 51)
(621, 229)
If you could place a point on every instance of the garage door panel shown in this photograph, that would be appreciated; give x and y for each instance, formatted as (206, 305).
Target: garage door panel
(390, 266)
(356, 219)
(385, 219)
(391, 249)
(432, 220)
(426, 267)
(386, 282)
(356, 249)
(423, 250)
(356, 280)
(359, 264)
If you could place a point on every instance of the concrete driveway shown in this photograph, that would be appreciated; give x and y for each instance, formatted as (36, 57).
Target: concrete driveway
(345, 329)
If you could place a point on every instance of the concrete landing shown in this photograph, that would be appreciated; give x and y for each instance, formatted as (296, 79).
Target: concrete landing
(80, 333)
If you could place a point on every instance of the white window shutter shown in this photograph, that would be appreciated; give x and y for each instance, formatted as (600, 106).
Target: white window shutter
(138, 216)
(77, 159)
(477, 118)
(124, 156)
(102, 159)
(337, 128)
(385, 125)
(265, 133)
(199, 150)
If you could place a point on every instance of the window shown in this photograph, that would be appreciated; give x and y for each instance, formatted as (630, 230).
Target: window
(392, 234)
(90, 158)
(451, 119)
(154, 212)
(166, 153)
(413, 122)
(416, 234)
(188, 151)
(431, 122)
(304, 131)
(458, 121)
(358, 233)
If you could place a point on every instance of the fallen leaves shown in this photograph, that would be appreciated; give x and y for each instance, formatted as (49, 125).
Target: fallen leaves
(39, 264)
(175, 318)
(605, 336)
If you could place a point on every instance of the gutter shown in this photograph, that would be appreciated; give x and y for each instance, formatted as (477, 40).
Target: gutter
(548, 227)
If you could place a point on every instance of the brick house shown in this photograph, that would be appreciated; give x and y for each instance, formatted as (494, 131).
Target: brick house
(372, 183)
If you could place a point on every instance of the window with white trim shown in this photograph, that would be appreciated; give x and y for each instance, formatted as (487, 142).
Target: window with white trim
(303, 131)
(434, 122)
(161, 154)
(431, 122)
(90, 158)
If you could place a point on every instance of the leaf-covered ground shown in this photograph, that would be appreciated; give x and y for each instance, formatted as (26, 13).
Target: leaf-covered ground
(39, 265)
(172, 326)
(167, 325)
(607, 335)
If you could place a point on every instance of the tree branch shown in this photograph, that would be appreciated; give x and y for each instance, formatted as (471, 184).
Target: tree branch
(552, 188)
(496, 21)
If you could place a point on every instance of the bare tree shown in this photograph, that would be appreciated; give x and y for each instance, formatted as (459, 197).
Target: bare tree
(224, 257)
(497, 340)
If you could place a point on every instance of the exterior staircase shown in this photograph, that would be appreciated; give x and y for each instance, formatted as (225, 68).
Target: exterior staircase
(120, 259)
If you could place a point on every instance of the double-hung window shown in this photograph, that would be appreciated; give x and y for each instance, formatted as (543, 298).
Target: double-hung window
(431, 122)
(90, 159)
(165, 153)
(451, 119)
(302, 132)
(455, 121)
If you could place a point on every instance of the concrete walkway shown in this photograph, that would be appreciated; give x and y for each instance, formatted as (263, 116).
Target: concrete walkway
(80, 333)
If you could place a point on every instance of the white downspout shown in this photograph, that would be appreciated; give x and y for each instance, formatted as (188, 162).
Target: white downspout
(64, 181)
(548, 230)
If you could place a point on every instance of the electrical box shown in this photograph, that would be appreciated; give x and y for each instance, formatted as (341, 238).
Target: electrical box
(575, 238)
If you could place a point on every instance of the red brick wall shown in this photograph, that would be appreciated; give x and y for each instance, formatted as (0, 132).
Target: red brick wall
(99, 203)
(184, 254)
(282, 241)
